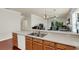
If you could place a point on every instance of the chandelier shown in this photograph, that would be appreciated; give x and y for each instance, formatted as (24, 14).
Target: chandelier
(46, 17)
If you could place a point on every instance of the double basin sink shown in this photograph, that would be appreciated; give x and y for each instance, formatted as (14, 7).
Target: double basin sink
(38, 34)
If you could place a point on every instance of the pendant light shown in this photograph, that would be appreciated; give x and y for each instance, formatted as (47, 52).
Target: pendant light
(45, 16)
(53, 17)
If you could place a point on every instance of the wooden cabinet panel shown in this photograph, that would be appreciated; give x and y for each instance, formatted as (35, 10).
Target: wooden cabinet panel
(48, 47)
(59, 49)
(64, 47)
(28, 38)
(52, 44)
(37, 46)
(48, 43)
(15, 39)
(37, 40)
(28, 43)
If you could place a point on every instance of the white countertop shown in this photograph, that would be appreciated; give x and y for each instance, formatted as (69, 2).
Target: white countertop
(60, 32)
(55, 38)
(63, 40)
(5, 36)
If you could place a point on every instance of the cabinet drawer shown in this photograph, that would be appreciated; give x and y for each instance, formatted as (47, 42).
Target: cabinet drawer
(37, 40)
(52, 44)
(48, 47)
(64, 47)
(46, 42)
(37, 46)
(28, 38)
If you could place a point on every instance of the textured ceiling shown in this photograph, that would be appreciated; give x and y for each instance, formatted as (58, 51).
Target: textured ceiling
(41, 11)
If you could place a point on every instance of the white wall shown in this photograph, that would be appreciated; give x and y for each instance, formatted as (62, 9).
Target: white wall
(9, 21)
(35, 20)
(61, 19)
(31, 20)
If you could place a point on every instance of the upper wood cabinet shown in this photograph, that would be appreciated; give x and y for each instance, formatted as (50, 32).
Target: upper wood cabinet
(15, 39)
(28, 43)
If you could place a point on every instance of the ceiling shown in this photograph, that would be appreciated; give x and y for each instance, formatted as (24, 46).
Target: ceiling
(41, 11)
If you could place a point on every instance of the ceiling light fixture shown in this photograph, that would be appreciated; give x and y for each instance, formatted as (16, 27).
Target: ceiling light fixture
(45, 16)
(54, 17)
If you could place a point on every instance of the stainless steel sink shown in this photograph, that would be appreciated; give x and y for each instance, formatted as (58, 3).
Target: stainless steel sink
(38, 35)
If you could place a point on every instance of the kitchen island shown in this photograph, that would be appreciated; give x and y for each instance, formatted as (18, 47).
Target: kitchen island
(65, 39)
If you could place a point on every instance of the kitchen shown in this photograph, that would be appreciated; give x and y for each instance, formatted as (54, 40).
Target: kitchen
(39, 28)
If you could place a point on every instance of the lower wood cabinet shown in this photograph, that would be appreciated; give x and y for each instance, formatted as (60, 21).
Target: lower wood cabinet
(15, 39)
(45, 47)
(48, 45)
(39, 44)
(28, 43)
(64, 47)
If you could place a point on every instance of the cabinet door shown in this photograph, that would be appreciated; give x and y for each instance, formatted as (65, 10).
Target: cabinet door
(48, 47)
(28, 43)
(15, 41)
(64, 47)
(37, 46)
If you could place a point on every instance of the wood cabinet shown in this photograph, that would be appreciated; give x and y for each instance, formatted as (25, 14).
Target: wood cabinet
(64, 47)
(28, 43)
(37, 44)
(15, 39)
(40, 44)
(47, 45)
